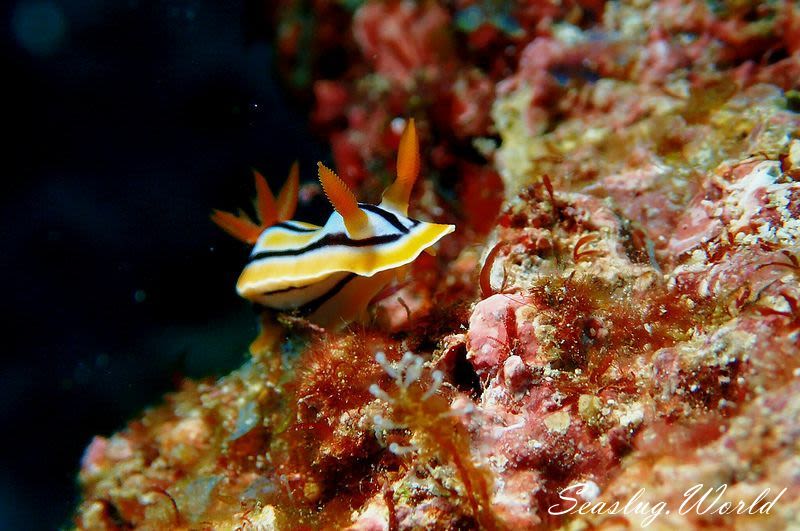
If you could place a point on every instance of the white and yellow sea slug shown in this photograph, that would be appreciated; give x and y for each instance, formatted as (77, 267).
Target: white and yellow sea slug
(330, 273)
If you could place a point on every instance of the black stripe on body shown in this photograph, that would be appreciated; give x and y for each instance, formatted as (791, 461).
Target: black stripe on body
(293, 297)
(388, 216)
(314, 304)
(330, 239)
(283, 290)
(292, 288)
(292, 228)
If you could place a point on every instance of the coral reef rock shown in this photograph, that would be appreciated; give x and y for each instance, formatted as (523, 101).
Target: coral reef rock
(611, 338)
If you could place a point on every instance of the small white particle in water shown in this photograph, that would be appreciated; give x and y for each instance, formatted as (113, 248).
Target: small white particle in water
(397, 125)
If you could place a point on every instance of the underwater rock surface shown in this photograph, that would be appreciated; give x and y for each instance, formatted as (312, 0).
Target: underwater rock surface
(617, 313)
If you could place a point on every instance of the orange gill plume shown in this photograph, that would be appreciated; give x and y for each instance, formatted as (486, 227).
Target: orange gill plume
(269, 211)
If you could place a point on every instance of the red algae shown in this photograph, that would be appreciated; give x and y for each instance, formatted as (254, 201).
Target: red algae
(616, 317)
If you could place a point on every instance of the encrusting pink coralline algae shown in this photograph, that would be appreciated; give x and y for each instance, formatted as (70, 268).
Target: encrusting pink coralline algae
(615, 321)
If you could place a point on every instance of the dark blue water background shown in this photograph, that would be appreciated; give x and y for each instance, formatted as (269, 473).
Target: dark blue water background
(127, 121)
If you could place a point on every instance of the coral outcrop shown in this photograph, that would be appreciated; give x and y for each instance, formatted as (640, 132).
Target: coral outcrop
(615, 322)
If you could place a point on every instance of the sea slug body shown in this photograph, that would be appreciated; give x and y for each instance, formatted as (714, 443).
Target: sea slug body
(329, 273)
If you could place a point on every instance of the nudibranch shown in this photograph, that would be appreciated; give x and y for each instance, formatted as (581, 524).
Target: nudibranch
(330, 273)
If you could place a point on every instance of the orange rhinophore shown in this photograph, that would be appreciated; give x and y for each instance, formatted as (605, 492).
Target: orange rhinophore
(343, 201)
